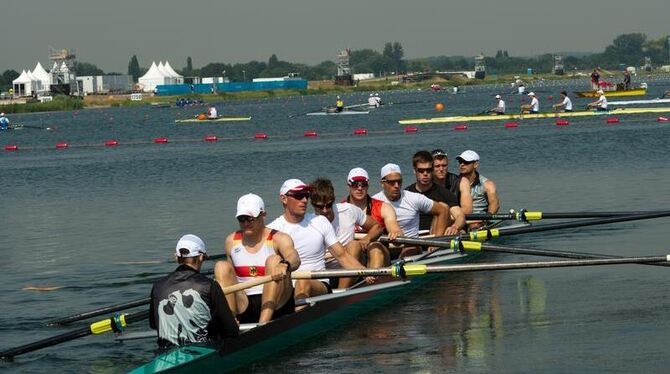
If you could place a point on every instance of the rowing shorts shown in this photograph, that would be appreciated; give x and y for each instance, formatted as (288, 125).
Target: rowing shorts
(253, 312)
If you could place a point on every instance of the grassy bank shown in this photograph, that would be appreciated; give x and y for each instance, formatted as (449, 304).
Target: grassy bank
(59, 103)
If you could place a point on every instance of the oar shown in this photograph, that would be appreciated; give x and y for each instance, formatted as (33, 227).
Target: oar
(524, 215)
(483, 235)
(135, 303)
(116, 323)
(19, 126)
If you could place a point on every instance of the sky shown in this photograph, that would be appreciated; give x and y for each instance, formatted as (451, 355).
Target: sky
(108, 33)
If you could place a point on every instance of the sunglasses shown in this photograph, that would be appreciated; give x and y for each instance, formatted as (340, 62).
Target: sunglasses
(323, 206)
(246, 219)
(299, 195)
(423, 170)
(358, 184)
(461, 161)
(392, 182)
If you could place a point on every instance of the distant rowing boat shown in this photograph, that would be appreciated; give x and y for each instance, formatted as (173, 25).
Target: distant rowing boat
(640, 102)
(342, 113)
(218, 119)
(614, 93)
(584, 113)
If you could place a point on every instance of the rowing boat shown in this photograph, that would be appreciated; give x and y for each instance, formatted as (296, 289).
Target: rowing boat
(504, 117)
(342, 113)
(614, 93)
(640, 102)
(218, 119)
(321, 314)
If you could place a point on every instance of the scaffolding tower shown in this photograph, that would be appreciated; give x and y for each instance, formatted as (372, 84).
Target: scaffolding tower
(480, 67)
(63, 75)
(558, 65)
(344, 76)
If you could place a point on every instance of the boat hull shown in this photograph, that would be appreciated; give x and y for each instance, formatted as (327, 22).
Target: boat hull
(342, 113)
(508, 117)
(219, 119)
(617, 93)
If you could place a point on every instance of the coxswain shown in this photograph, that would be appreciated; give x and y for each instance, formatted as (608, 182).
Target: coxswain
(408, 205)
(345, 217)
(187, 307)
(600, 104)
(255, 251)
(4, 122)
(339, 104)
(422, 162)
(483, 190)
(312, 235)
(212, 113)
(533, 107)
(565, 105)
(499, 109)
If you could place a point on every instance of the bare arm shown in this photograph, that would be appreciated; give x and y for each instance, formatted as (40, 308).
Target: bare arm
(344, 258)
(466, 195)
(459, 219)
(284, 244)
(391, 221)
(373, 229)
(439, 224)
(492, 196)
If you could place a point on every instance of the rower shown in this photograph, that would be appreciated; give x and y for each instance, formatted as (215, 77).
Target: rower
(339, 104)
(187, 307)
(407, 207)
(378, 99)
(422, 163)
(256, 251)
(483, 190)
(499, 109)
(372, 101)
(565, 104)
(311, 235)
(345, 217)
(452, 182)
(4, 122)
(600, 104)
(533, 107)
(212, 113)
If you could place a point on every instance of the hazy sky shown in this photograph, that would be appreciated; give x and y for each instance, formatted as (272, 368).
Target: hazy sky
(108, 33)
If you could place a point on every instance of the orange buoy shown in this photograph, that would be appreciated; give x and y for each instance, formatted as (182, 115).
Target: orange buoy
(160, 140)
(11, 147)
(511, 125)
(562, 122)
(310, 133)
(461, 127)
(202, 116)
(361, 131)
(439, 107)
(410, 129)
(210, 138)
(612, 120)
(260, 135)
(62, 145)
(662, 119)
(111, 143)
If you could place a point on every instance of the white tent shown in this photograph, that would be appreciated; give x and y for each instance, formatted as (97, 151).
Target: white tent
(42, 76)
(23, 85)
(178, 79)
(168, 77)
(152, 78)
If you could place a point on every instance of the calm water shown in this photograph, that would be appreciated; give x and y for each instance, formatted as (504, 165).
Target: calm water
(82, 218)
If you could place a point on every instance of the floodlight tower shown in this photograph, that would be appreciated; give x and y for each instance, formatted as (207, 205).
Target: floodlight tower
(63, 71)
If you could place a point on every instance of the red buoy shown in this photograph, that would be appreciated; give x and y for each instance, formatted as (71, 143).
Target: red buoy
(361, 131)
(160, 140)
(210, 138)
(550, 97)
(260, 135)
(562, 122)
(663, 119)
(11, 147)
(511, 125)
(461, 127)
(62, 145)
(612, 120)
(111, 143)
(411, 129)
(310, 133)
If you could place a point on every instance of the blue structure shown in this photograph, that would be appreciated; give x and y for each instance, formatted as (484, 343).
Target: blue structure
(207, 88)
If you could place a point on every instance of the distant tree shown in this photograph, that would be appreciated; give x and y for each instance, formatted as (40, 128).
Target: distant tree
(9, 75)
(657, 49)
(188, 70)
(134, 68)
(272, 62)
(626, 48)
(85, 69)
(397, 55)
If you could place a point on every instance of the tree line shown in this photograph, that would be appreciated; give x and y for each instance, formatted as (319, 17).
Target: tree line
(627, 49)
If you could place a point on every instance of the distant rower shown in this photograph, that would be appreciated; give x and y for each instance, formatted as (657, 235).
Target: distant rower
(339, 105)
(4, 122)
(500, 108)
(601, 103)
(565, 104)
(533, 107)
(212, 113)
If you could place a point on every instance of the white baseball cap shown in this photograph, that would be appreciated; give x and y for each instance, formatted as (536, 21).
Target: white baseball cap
(531, 93)
(250, 205)
(292, 185)
(357, 174)
(468, 156)
(191, 243)
(2, 114)
(390, 168)
(497, 96)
